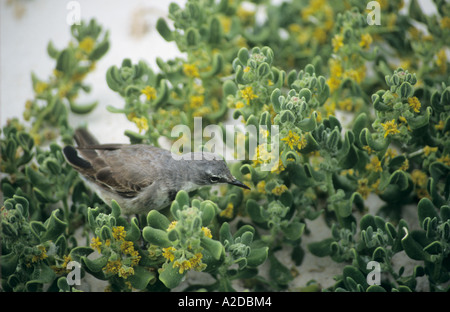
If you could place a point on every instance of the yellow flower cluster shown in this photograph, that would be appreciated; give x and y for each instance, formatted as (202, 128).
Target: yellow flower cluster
(228, 211)
(248, 95)
(278, 190)
(206, 232)
(261, 187)
(441, 60)
(364, 188)
(427, 150)
(445, 159)
(62, 268)
(118, 266)
(420, 179)
(337, 74)
(40, 87)
(262, 155)
(185, 261)
(191, 70)
(374, 165)
(366, 40)
(195, 262)
(337, 42)
(278, 167)
(149, 92)
(41, 255)
(414, 103)
(196, 101)
(390, 128)
(141, 123)
(87, 44)
(294, 140)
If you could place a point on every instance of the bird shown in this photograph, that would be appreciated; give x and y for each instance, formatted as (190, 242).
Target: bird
(141, 177)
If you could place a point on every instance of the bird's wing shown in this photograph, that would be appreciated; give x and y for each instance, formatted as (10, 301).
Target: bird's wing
(123, 169)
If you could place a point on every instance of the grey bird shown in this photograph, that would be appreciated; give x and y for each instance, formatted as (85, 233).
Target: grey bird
(142, 177)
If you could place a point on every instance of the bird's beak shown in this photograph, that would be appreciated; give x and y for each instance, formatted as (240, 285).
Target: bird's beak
(239, 183)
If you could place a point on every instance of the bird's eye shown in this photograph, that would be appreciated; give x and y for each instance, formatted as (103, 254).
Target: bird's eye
(214, 179)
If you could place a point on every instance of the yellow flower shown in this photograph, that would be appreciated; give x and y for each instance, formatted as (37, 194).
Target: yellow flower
(191, 70)
(390, 127)
(168, 253)
(67, 259)
(295, 28)
(127, 247)
(207, 231)
(245, 16)
(228, 211)
(422, 192)
(239, 104)
(391, 153)
(202, 111)
(337, 42)
(357, 74)
(302, 142)
(247, 94)
(261, 187)
(349, 172)
(292, 139)
(41, 256)
(445, 22)
(366, 40)
(172, 225)
(368, 149)
(414, 103)
(262, 155)
(278, 167)
(62, 268)
(40, 87)
(375, 186)
(346, 105)
(87, 44)
(441, 61)
(320, 35)
(405, 165)
(135, 258)
(427, 150)
(225, 21)
(419, 177)
(113, 266)
(196, 101)
(141, 123)
(184, 265)
(363, 188)
(444, 159)
(149, 92)
(374, 165)
(196, 260)
(278, 190)
(96, 243)
(440, 125)
(333, 83)
(125, 272)
(246, 69)
(119, 233)
(57, 73)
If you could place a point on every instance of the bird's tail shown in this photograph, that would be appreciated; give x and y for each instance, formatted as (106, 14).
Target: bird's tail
(72, 157)
(84, 138)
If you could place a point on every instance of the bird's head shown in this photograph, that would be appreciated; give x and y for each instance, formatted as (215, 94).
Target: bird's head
(212, 169)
